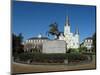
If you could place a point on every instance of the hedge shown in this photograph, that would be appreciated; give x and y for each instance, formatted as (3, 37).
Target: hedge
(58, 57)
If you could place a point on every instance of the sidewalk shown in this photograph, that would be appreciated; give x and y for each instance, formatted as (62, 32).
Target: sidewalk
(24, 68)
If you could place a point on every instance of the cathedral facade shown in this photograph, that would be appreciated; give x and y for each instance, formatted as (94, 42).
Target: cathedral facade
(44, 44)
(72, 39)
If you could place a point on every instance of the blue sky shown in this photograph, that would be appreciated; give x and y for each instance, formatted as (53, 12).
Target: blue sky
(31, 18)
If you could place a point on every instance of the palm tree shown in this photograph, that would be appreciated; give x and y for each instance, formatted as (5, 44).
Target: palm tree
(53, 30)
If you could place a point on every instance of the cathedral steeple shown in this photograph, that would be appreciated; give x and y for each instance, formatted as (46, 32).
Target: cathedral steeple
(67, 21)
(77, 30)
(67, 26)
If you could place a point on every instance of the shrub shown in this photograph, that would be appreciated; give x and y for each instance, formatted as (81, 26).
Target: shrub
(76, 56)
(72, 50)
(52, 58)
(82, 49)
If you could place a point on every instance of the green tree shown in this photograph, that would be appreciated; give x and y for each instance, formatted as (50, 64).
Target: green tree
(53, 30)
(72, 50)
(17, 46)
(14, 37)
(94, 42)
(82, 49)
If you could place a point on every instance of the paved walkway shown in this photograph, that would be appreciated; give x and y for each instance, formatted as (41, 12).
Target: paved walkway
(24, 68)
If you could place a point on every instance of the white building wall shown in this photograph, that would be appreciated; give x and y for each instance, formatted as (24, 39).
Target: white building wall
(71, 40)
(88, 43)
(66, 30)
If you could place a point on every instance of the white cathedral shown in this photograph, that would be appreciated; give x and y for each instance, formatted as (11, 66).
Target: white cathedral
(72, 39)
(44, 44)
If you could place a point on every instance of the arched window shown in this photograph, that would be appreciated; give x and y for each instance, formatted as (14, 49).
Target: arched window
(26, 41)
(91, 41)
(85, 40)
(29, 41)
(34, 42)
(88, 40)
(38, 41)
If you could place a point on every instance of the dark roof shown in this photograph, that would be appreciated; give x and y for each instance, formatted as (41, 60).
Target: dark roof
(62, 32)
(88, 38)
(37, 38)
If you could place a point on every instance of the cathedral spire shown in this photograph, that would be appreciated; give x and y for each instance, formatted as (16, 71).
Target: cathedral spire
(67, 21)
(67, 26)
(77, 30)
